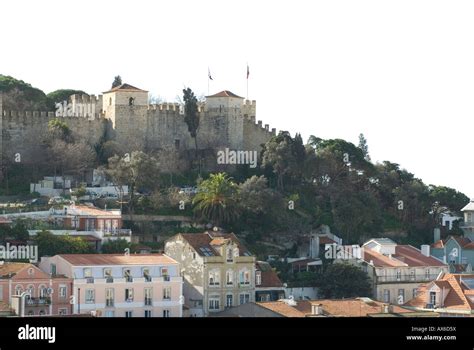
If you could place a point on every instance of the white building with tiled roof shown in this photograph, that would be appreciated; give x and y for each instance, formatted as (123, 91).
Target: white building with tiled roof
(396, 270)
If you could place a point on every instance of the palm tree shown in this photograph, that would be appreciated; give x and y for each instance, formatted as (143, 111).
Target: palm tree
(216, 200)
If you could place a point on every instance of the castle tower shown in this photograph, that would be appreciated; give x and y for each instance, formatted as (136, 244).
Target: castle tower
(224, 103)
(126, 107)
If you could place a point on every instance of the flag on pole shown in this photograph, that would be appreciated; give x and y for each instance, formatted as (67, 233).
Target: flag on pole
(248, 71)
(209, 74)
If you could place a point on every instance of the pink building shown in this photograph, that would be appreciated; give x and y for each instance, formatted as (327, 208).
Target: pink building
(46, 295)
(118, 285)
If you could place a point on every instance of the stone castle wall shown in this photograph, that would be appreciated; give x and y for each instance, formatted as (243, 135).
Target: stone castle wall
(139, 127)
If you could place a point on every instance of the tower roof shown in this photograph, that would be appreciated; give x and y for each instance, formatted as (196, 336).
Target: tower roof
(224, 93)
(125, 88)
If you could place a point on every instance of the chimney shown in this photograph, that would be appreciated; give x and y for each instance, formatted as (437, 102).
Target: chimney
(437, 234)
(425, 250)
(317, 309)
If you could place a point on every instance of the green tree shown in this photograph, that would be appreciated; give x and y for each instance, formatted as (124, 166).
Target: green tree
(62, 95)
(342, 280)
(139, 171)
(116, 247)
(50, 244)
(364, 147)
(191, 116)
(117, 81)
(216, 200)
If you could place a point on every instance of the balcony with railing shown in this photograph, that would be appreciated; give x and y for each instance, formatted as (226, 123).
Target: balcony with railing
(406, 278)
(37, 301)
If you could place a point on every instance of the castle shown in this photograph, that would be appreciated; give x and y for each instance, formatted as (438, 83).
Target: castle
(123, 114)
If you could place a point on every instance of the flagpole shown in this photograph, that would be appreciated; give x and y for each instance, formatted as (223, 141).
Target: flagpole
(247, 80)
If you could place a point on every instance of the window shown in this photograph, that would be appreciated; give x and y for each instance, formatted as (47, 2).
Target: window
(176, 144)
(18, 290)
(229, 277)
(412, 275)
(214, 303)
(1, 293)
(244, 277)
(127, 274)
(194, 256)
(62, 291)
(399, 275)
(62, 311)
(148, 296)
(386, 295)
(244, 298)
(230, 255)
(110, 101)
(31, 271)
(52, 268)
(87, 272)
(214, 278)
(258, 278)
(31, 291)
(401, 296)
(148, 313)
(42, 313)
(167, 293)
(131, 101)
(427, 274)
(43, 291)
(109, 297)
(108, 275)
(146, 274)
(229, 300)
(164, 273)
(128, 314)
(90, 296)
(433, 298)
(415, 292)
(166, 313)
(110, 314)
(31, 313)
(129, 295)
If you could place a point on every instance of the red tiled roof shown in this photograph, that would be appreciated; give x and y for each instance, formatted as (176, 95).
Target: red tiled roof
(269, 276)
(380, 260)
(117, 259)
(225, 93)
(86, 210)
(282, 308)
(204, 240)
(326, 240)
(303, 262)
(413, 257)
(125, 88)
(4, 220)
(455, 299)
(438, 244)
(12, 268)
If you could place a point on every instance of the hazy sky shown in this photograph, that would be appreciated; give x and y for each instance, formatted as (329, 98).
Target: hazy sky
(401, 72)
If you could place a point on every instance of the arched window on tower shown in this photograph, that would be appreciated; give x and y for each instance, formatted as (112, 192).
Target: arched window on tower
(131, 101)
(110, 101)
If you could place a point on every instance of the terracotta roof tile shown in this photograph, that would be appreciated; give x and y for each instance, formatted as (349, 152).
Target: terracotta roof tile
(413, 257)
(269, 276)
(117, 259)
(12, 268)
(125, 88)
(206, 239)
(282, 308)
(326, 240)
(225, 93)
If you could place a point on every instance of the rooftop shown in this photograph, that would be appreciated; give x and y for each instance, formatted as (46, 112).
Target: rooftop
(469, 207)
(125, 88)
(269, 276)
(225, 93)
(117, 259)
(457, 287)
(204, 243)
(405, 256)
